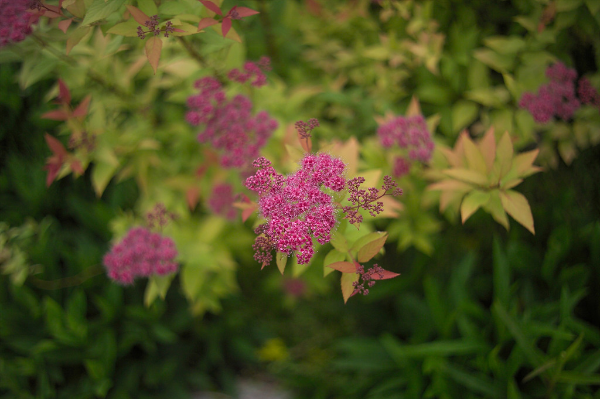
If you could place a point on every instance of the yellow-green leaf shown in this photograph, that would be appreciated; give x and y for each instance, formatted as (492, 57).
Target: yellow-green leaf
(487, 146)
(504, 154)
(524, 163)
(128, 28)
(75, 37)
(281, 258)
(333, 256)
(347, 281)
(157, 286)
(463, 114)
(494, 207)
(474, 157)
(516, 205)
(338, 241)
(467, 176)
(370, 249)
(153, 49)
(473, 201)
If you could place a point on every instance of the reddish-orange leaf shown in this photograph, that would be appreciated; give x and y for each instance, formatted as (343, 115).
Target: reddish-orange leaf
(211, 6)
(82, 108)
(245, 11)
(206, 22)
(344, 267)
(225, 26)
(55, 146)
(386, 274)
(137, 14)
(314, 7)
(191, 195)
(56, 115)
(52, 11)
(64, 24)
(63, 93)
(246, 214)
(76, 167)
(153, 49)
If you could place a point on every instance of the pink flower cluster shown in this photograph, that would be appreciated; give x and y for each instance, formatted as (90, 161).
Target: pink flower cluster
(295, 207)
(221, 201)
(409, 133)
(229, 124)
(588, 93)
(140, 254)
(557, 98)
(15, 21)
(252, 70)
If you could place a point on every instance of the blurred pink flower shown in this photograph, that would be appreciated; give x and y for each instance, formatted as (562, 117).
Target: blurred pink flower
(140, 254)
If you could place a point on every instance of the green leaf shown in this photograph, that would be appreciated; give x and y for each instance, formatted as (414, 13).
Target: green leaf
(504, 44)
(338, 241)
(347, 281)
(501, 274)
(533, 354)
(371, 248)
(35, 69)
(101, 9)
(128, 29)
(281, 259)
(472, 381)
(157, 286)
(333, 256)
(438, 348)
(495, 208)
(173, 8)
(463, 114)
(516, 205)
(105, 166)
(75, 37)
(578, 379)
(500, 63)
(54, 317)
(148, 7)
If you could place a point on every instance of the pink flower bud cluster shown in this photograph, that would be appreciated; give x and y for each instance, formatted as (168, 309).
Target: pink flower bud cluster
(221, 201)
(409, 133)
(15, 21)
(252, 70)
(367, 199)
(140, 254)
(305, 128)
(367, 278)
(295, 207)
(229, 124)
